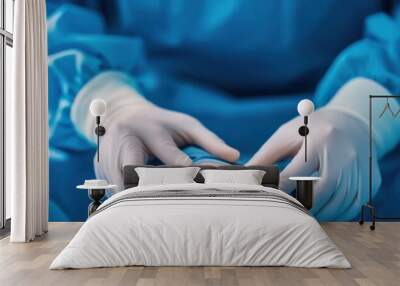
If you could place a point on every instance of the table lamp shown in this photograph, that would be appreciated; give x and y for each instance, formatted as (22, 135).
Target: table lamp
(305, 108)
(98, 108)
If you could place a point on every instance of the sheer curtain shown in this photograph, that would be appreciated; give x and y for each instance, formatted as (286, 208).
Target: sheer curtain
(26, 121)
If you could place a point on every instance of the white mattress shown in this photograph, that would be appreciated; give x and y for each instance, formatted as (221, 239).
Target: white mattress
(200, 231)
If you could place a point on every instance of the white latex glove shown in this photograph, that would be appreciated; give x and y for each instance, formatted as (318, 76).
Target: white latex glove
(337, 151)
(136, 133)
(137, 130)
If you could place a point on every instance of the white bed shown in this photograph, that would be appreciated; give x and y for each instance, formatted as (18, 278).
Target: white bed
(205, 230)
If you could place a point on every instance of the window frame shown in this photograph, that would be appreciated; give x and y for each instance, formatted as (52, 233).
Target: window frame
(6, 39)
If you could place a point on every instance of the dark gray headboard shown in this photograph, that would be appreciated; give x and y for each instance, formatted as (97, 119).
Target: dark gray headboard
(270, 179)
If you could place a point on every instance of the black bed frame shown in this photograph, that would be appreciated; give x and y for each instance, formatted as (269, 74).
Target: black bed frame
(270, 179)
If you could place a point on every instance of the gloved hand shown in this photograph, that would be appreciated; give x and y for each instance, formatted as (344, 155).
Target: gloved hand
(337, 151)
(138, 132)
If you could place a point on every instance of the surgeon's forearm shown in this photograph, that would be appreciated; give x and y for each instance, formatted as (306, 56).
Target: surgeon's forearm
(353, 98)
(116, 88)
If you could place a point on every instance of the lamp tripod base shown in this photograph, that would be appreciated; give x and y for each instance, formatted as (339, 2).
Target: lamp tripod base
(371, 208)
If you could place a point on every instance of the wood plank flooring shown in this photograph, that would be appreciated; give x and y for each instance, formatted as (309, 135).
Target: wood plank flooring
(375, 257)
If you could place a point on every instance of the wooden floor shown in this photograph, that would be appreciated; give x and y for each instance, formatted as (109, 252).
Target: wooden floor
(375, 257)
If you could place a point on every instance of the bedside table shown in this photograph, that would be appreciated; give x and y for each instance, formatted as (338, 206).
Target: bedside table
(304, 190)
(96, 191)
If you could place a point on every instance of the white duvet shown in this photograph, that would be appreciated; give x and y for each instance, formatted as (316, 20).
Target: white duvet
(200, 231)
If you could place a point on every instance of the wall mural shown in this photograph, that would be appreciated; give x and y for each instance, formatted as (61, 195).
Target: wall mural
(219, 82)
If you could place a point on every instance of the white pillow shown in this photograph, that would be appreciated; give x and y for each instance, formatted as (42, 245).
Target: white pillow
(166, 176)
(248, 177)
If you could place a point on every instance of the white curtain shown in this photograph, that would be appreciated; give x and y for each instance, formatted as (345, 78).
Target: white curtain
(26, 122)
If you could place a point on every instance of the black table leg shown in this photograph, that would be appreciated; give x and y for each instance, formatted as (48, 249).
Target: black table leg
(304, 193)
(95, 195)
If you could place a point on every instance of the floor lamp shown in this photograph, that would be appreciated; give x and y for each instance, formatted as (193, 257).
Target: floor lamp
(370, 205)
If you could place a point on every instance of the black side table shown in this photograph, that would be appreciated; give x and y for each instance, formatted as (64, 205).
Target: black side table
(304, 190)
(96, 195)
(96, 191)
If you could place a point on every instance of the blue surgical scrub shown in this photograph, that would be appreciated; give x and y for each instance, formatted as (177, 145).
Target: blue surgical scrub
(240, 67)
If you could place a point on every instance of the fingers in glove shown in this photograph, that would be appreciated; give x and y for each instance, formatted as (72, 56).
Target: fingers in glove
(132, 152)
(162, 146)
(100, 174)
(210, 142)
(98, 170)
(280, 145)
(344, 195)
(333, 169)
(362, 195)
(298, 168)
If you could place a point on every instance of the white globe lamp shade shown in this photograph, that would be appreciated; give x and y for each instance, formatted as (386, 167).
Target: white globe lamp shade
(98, 107)
(305, 107)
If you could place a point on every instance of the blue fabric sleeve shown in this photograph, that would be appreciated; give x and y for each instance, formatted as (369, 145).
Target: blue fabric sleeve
(376, 56)
(78, 50)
